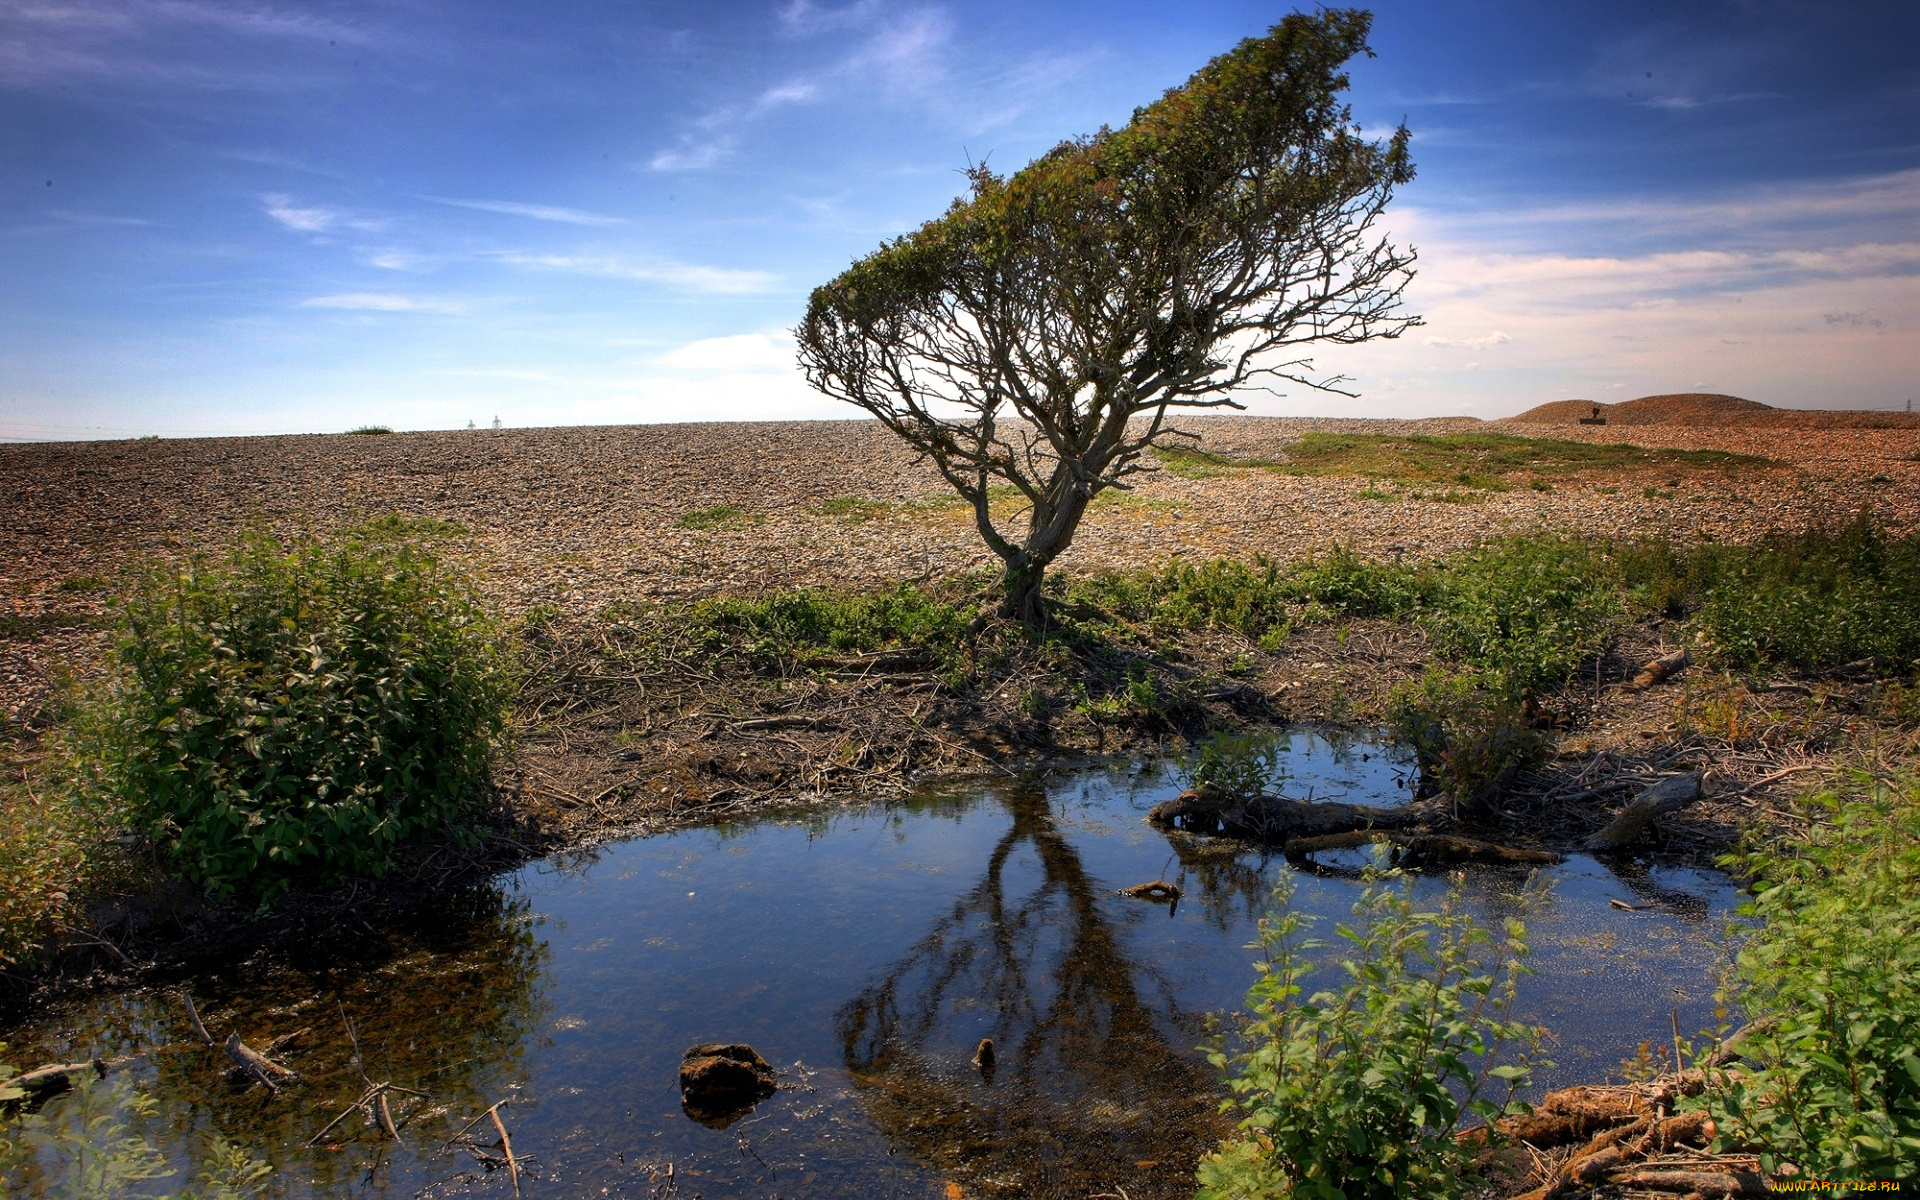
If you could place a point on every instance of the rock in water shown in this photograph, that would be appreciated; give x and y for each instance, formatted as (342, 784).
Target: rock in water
(720, 1081)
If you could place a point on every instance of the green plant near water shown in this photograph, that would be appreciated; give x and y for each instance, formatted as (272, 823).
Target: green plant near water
(87, 1144)
(299, 707)
(1238, 764)
(1820, 599)
(1357, 1091)
(798, 627)
(51, 846)
(1828, 962)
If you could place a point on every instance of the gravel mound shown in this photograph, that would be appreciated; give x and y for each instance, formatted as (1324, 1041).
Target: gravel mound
(1708, 410)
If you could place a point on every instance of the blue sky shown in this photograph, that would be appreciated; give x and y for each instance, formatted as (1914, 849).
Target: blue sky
(220, 216)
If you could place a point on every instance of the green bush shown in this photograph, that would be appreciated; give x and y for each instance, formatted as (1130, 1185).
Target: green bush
(1829, 961)
(1238, 764)
(50, 845)
(1526, 611)
(301, 707)
(1466, 729)
(1358, 1092)
(1817, 600)
(1343, 583)
(798, 626)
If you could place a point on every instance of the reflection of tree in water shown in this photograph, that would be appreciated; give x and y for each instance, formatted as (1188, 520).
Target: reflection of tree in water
(1231, 880)
(1087, 1085)
(446, 1003)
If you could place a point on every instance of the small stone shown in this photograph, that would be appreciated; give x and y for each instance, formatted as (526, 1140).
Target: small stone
(720, 1082)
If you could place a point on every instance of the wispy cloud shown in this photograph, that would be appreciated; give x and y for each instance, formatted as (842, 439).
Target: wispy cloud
(84, 218)
(1485, 342)
(715, 135)
(381, 302)
(899, 55)
(305, 218)
(179, 42)
(533, 212)
(693, 277)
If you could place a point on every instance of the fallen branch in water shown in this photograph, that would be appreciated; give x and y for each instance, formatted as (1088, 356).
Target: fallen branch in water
(1420, 848)
(265, 1071)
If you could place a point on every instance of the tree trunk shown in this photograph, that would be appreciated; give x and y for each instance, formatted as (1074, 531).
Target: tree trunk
(1022, 600)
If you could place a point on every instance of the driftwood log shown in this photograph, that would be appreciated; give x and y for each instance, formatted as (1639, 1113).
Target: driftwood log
(1159, 890)
(1208, 808)
(1668, 795)
(263, 1070)
(1663, 668)
(1420, 849)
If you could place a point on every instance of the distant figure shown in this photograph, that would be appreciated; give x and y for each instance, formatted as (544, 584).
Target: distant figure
(1595, 419)
(469, 422)
(496, 422)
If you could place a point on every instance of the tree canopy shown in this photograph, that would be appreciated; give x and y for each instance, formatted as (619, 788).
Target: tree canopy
(1040, 333)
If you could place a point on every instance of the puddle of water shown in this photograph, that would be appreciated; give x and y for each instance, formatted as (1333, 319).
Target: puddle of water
(865, 953)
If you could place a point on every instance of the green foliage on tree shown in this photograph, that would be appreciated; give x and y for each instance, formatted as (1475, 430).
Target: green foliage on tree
(1041, 333)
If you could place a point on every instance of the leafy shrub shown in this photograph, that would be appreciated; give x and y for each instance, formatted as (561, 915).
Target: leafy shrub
(50, 843)
(796, 626)
(1465, 728)
(1830, 958)
(1239, 765)
(1527, 611)
(1342, 582)
(1220, 594)
(1817, 600)
(1358, 1092)
(370, 430)
(305, 706)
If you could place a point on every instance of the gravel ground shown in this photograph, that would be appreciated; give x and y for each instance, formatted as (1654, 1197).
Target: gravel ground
(579, 517)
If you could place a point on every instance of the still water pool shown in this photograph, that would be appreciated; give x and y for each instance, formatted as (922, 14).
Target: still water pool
(865, 952)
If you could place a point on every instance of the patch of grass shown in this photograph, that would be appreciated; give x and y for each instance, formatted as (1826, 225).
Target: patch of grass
(1526, 610)
(1828, 960)
(1223, 594)
(23, 627)
(718, 517)
(298, 708)
(1373, 493)
(852, 509)
(369, 431)
(1483, 461)
(1113, 498)
(1820, 599)
(796, 628)
(86, 582)
(1191, 462)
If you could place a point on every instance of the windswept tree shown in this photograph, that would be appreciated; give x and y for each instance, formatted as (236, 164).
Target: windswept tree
(1040, 334)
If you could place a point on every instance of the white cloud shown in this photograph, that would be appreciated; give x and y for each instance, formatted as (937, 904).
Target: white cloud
(313, 218)
(693, 277)
(380, 302)
(771, 351)
(535, 212)
(1473, 343)
(304, 220)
